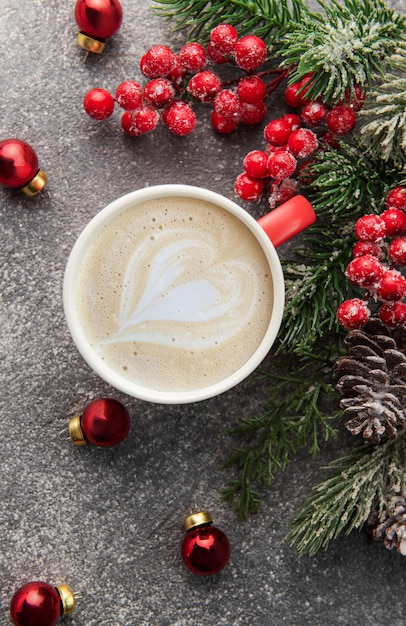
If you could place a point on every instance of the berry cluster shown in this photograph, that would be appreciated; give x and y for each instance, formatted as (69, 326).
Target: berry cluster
(379, 252)
(177, 81)
(292, 139)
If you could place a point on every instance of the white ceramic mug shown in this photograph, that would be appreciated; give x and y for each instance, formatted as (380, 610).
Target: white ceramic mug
(170, 321)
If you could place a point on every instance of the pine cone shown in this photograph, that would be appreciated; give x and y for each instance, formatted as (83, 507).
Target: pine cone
(390, 527)
(372, 381)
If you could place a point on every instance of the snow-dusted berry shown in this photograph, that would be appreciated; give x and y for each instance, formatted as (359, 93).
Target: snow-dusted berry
(223, 125)
(353, 314)
(296, 93)
(252, 112)
(144, 120)
(223, 38)
(193, 57)
(397, 251)
(395, 221)
(180, 118)
(227, 103)
(98, 104)
(281, 164)
(129, 95)
(302, 143)
(126, 123)
(370, 228)
(158, 62)
(255, 164)
(393, 314)
(355, 99)
(248, 188)
(341, 120)
(365, 271)
(277, 132)
(396, 198)
(204, 85)
(293, 120)
(251, 89)
(392, 286)
(158, 92)
(313, 113)
(215, 55)
(250, 52)
(368, 247)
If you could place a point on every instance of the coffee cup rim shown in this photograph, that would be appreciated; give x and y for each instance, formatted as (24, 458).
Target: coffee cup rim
(77, 255)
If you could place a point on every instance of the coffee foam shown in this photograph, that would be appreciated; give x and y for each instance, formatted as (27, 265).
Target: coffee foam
(175, 294)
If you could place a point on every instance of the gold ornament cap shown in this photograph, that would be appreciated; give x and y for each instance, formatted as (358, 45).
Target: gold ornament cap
(76, 432)
(36, 184)
(90, 44)
(197, 519)
(67, 599)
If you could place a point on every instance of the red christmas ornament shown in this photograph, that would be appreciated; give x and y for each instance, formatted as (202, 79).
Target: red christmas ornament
(19, 167)
(105, 423)
(205, 548)
(39, 604)
(98, 20)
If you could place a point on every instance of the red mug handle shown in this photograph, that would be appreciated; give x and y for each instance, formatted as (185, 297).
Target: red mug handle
(287, 220)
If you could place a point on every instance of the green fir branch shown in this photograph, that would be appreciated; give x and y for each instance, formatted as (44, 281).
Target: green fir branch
(293, 420)
(384, 129)
(269, 19)
(344, 46)
(365, 478)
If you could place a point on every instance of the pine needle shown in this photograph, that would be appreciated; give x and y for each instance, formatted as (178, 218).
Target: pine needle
(363, 479)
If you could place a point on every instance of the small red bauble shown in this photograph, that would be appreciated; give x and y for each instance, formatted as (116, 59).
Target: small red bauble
(98, 20)
(19, 167)
(205, 549)
(105, 423)
(39, 604)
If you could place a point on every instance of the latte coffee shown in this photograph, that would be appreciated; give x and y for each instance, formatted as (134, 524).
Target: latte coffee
(174, 293)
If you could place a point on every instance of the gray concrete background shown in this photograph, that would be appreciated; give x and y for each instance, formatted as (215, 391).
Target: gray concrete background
(109, 522)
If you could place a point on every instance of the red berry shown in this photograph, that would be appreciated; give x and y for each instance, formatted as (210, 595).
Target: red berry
(277, 132)
(224, 37)
(370, 228)
(144, 120)
(293, 120)
(396, 198)
(352, 314)
(204, 85)
(365, 271)
(393, 314)
(129, 95)
(249, 189)
(159, 93)
(158, 61)
(295, 94)
(255, 164)
(282, 191)
(193, 57)
(341, 120)
(98, 104)
(313, 113)
(329, 139)
(250, 52)
(179, 118)
(178, 73)
(223, 125)
(356, 99)
(397, 251)
(252, 113)
(251, 89)
(215, 55)
(368, 247)
(302, 143)
(392, 286)
(227, 104)
(281, 164)
(395, 221)
(126, 122)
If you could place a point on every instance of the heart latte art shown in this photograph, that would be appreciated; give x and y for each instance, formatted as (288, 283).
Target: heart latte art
(175, 294)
